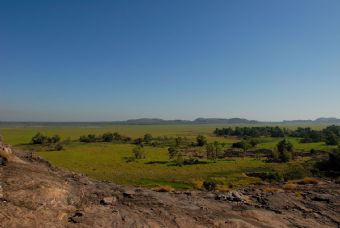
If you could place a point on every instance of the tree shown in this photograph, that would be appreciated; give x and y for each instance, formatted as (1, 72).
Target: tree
(201, 140)
(138, 141)
(331, 139)
(284, 145)
(178, 141)
(53, 139)
(285, 149)
(147, 138)
(172, 151)
(107, 137)
(117, 136)
(138, 152)
(213, 150)
(88, 139)
(244, 145)
(39, 139)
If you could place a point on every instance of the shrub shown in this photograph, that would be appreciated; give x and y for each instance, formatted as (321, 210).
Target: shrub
(55, 147)
(147, 138)
(138, 141)
(332, 165)
(107, 137)
(295, 172)
(285, 156)
(138, 152)
(285, 149)
(88, 139)
(201, 140)
(284, 145)
(172, 151)
(39, 139)
(332, 139)
(53, 139)
(190, 161)
(179, 160)
(209, 185)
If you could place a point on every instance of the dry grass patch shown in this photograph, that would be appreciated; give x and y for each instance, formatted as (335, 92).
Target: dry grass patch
(165, 188)
(309, 180)
(197, 184)
(271, 189)
(289, 186)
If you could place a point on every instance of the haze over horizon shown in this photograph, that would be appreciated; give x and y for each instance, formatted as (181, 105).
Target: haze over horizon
(111, 61)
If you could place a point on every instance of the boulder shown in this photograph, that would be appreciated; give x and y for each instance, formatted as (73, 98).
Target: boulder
(129, 194)
(108, 200)
(232, 196)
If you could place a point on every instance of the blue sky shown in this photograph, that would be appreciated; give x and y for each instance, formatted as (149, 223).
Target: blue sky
(114, 60)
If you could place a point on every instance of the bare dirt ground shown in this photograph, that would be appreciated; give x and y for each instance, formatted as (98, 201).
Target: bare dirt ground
(35, 194)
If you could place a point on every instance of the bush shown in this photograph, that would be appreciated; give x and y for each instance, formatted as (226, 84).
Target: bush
(285, 156)
(53, 139)
(295, 172)
(147, 138)
(42, 139)
(179, 160)
(285, 149)
(332, 165)
(39, 139)
(332, 139)
(88, 139)
(190, 161)
(138, 152)
(284, 145)
(209, 185)
(55, 147)
(107, 137)
(172, 151)
(214, 150)
(201, 140)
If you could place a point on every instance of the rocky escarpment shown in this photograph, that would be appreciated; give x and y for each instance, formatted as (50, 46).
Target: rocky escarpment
(35, 194)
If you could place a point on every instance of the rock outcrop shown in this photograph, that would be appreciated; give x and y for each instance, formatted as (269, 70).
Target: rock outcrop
(34, 193)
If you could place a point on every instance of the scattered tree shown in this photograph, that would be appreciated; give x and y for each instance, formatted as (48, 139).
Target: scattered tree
(39, 139)
(285, 149)
(107, 137)
(88, 139)
(213, 150)
(147, 138)
(201, 140)
(332, 139)
(138, 152)
(172, 151)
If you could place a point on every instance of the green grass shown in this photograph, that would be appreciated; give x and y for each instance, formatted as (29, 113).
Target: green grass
(106, 161)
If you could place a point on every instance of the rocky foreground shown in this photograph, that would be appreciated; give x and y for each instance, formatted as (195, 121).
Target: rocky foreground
(35, 194)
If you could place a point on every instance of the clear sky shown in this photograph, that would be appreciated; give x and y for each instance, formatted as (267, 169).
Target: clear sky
(104, 60)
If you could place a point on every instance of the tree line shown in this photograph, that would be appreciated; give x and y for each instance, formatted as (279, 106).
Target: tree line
(330, 135)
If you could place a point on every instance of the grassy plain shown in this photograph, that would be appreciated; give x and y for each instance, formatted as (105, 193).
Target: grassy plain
(106, 161)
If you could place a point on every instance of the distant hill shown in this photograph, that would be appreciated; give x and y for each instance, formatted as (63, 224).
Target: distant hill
(224, 121)
(322, 120)
(158, 121)
(327, 120)
(196, 121)
(154, 121)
